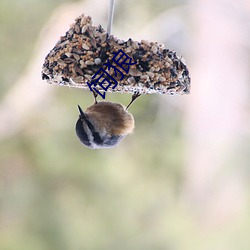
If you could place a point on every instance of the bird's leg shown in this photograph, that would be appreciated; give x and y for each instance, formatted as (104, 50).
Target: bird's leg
(95, 96)
(134, 97)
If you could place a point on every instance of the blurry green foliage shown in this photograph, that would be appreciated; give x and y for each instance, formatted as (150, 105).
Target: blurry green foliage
(20, 24)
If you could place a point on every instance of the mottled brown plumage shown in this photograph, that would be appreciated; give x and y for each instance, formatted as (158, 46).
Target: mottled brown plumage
(103, 125)
(110, 117)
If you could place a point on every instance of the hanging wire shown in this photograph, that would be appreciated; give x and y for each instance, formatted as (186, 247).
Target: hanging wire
(110, 15)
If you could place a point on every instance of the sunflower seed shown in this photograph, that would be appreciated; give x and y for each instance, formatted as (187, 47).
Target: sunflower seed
(134, 72)
(88, 62)
(85, 46)
(154, 49)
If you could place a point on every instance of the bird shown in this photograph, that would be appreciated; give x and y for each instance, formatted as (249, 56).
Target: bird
(104, 124)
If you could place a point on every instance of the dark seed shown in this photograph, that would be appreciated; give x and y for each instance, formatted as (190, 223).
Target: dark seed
(45, 77)
(137, 78)
(173, 73)
(65, 79)
(63, 56)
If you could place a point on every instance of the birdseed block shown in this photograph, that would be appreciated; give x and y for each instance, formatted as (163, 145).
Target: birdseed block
(85, 49)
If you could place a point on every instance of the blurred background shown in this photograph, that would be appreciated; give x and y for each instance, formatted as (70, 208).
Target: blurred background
(180, 182)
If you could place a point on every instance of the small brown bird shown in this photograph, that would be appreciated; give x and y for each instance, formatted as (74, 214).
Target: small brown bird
(104, 124)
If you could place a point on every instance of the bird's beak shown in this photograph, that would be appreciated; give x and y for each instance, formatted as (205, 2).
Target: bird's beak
(82, 115)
